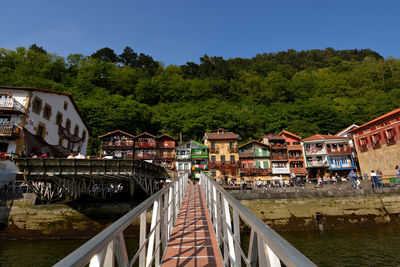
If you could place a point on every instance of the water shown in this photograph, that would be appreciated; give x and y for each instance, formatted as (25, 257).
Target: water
(378, 246)
(375, 246)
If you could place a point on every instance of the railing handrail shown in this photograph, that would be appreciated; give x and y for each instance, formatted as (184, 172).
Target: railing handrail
(288, 254)
(101, 242)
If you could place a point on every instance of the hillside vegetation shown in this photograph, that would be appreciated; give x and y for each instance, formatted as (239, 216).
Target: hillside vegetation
(306, 92)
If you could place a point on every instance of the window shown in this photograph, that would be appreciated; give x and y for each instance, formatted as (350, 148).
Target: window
(37, 105)
(186, 166)
(212, 145)
(4, 119)
(47, 112)
(40, 131)
(319, 158)
(68, 124)
(296, 143)
(180, 166)
(213, 172)
(213, 159)
(59, 118)
(65, 105)
(187, 145)
(250, 165)
(76, 130)
(4, 96)
(222, 158)
(244, 165)
(231, 145)
(232, 159)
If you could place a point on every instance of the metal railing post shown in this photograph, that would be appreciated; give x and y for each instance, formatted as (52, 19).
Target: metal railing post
(142, 238)
(150, 246)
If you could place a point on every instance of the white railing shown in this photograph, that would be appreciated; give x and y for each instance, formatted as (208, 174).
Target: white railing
(317, 163)
(11, 103)
(266, 247)
(108, 245)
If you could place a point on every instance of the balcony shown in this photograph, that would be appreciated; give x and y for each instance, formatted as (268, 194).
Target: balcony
(280, 170)
(279, 157)
(9, 130)
(227, 164)
(165, 155)
(315, 151)
(390, 140)
(294, 147)
(295, 157)
(214, 151)
(339, 150)
(199, 154)
(247, 171)
(199, 167)
(166, 145)
(144, 156)
(182, 157)
(233, 150)
(145, 144)
(118, 145)
(363, 147)
(317, 163)
(10, 105)
(263, 172)
(376, 144)
(246, 154)
(298, 170)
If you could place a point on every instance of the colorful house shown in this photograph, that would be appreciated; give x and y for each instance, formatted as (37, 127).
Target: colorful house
(255, 161)
(145, 147)
(279, 158)
(378, 144)
(295, 154)
(327, 155)
(199, 157)
(223, 154)
(118, 144)
(166, 151)
(183, 159)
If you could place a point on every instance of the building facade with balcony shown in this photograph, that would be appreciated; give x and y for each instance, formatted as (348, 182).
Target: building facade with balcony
(377, 144)
(279, 158)
(38, 121)
(255, 161)
(145, 147)
(328, 155)
(223, 154)
(191, 158)
(166, 151)
(117, 144)
(295, 154)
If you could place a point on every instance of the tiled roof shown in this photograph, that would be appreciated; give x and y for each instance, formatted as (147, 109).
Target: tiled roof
(254, 141)
(116, 131)
(224, 135)
(145, 133)
(317, 137)
(289, 133)
(365, 125)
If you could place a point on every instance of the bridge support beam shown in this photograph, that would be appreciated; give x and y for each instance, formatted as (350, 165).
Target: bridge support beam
(132, 185)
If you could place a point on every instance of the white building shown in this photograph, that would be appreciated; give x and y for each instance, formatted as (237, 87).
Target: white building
(40, 121)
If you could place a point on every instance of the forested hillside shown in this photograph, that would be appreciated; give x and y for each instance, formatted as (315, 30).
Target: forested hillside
(307, 92)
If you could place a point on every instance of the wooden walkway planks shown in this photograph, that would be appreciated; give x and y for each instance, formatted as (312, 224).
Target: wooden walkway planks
(193, 241)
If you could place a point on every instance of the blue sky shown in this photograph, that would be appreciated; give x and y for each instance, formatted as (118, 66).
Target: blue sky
(175, 32)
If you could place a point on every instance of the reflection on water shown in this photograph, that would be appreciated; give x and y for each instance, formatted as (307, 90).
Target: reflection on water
(363, 247)
(375, 246)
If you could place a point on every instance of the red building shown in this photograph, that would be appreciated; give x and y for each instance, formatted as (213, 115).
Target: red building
(295, 153)
(117, 144)
(145, 146)
(378, 144)
(166, 151)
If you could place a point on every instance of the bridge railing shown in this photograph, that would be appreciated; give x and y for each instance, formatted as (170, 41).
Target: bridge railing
(265, 248)
(108, 245)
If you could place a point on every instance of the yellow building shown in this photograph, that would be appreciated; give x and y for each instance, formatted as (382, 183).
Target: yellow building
(223, 154)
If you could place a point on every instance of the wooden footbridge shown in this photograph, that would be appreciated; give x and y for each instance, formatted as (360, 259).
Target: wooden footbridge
(191, 225)
(53, 179)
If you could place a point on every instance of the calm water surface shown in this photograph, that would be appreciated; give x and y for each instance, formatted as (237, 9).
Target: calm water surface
(363, 247)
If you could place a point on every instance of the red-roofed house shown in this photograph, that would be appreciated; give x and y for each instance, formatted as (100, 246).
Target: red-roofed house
(166, 151)
(377, 143)
(118, 144)
(223, 154)
(326, 155)
(255, 161)
(295, 153)
(279, 157)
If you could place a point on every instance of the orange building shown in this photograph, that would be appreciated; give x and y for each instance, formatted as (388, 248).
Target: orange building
(295, 153)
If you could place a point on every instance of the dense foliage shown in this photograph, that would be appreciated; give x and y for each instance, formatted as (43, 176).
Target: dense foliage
(307, 92)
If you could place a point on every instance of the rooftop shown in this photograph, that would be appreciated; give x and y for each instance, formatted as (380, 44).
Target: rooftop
(323, 137)
(114, 132)
(365, 125)
(220, 135)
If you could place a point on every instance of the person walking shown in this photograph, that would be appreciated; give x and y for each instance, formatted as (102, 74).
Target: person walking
(373, 179)
(353, 179)
(379, 178)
